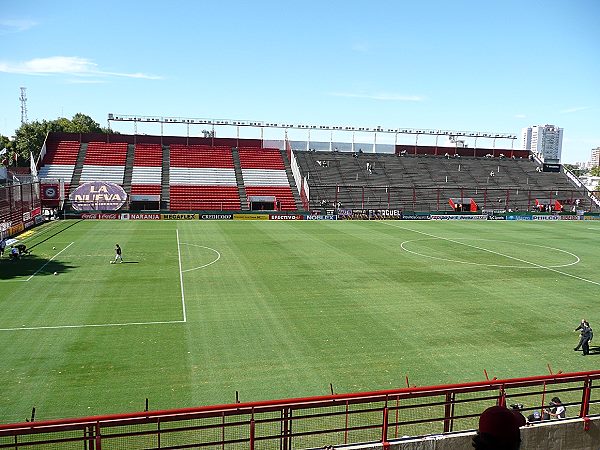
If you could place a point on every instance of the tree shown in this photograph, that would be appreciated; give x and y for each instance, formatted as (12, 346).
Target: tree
(577, 171)
(30, 137)
(595, 171)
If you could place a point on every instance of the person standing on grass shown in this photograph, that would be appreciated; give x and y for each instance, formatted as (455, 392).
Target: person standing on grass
(2, 246)
(586, 335)
(118, 254)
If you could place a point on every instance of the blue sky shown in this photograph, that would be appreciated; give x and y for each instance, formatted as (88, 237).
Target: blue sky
(463, 65)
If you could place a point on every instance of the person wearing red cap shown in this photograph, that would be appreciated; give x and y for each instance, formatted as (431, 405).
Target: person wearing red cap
(499, 429)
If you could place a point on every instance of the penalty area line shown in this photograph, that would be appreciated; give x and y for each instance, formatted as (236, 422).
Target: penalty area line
(99, 325)
(181, 277)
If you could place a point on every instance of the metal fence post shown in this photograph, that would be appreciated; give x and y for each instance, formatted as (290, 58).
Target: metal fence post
(448, 412)
(98, 437)
(384, 429)
(585, 398)
(252, 430)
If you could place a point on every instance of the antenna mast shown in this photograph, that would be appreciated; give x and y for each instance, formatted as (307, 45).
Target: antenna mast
(23, 99)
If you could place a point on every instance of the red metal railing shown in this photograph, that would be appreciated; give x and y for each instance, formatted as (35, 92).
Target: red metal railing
(380, 416)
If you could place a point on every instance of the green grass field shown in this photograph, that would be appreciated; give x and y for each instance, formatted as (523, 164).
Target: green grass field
(282, 309)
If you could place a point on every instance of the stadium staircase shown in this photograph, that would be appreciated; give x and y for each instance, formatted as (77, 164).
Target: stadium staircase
(78, 166)
(128, 169)
(291, 181)
(240, 179)
(165, 202)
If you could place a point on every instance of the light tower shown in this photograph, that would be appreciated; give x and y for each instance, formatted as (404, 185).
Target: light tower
(23, 99)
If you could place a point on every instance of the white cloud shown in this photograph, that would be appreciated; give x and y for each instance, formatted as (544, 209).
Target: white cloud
(66, 65)
(520, 116)
(383, 96)
(15, 25)
(574, 109)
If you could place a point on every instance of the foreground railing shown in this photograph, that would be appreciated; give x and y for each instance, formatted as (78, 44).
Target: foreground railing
(301, 423)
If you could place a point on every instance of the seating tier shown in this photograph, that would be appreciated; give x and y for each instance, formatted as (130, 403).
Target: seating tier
(266, 158)
(146, 189)
(106, 154)
(190, 197)
(200, 156)
(62, 153)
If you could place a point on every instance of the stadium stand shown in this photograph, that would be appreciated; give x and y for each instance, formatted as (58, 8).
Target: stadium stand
(147, 170)
(59, 161)
(228, 174)
(427, 182)
(104, 162)
(202, 177)
(264, 175)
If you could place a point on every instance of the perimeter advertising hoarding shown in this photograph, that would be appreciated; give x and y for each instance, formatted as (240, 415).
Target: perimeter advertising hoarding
(416, 216)
(384, 214)
(519, 217)
(285, 217)
(216, 216)
(459, 217)
(250, 217)
(321, 217)
(546, 218)
(98, 196)
(140, 216)
(179, 216)
(101, 216)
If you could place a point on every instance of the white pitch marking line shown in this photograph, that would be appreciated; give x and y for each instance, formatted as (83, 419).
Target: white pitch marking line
(577, 259)
(205, 265)
(48, 262)
(58, 327)
(181, 278)
(496, 253)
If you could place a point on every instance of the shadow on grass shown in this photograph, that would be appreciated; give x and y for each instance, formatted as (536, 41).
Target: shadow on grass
(29, 265)
(595, 350)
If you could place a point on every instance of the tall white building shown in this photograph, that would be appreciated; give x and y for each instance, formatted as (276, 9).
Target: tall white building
(595, 159)
(545, 141)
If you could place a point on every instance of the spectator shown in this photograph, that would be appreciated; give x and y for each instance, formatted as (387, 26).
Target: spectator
(22, 248)
(14, 253)
(2, 246)
(557, 409)
(499, 429)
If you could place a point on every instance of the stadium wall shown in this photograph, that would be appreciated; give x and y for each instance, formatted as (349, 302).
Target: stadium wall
(20, 208)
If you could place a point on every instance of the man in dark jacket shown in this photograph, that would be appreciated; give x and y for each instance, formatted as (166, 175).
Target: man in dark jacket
(586, 335)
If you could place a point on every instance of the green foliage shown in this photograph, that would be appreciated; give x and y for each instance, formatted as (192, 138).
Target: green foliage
(5, 142)
(577, 171)
(30, 137)
(595, 171)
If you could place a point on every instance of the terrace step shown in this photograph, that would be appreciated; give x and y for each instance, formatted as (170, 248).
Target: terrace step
(240, 179)
(165, 189)
(79, 165)
(128, 169)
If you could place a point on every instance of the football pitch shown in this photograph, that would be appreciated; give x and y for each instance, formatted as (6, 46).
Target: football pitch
(202, 309)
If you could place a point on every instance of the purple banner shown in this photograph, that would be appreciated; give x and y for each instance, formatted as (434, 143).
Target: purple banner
(98, 196)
